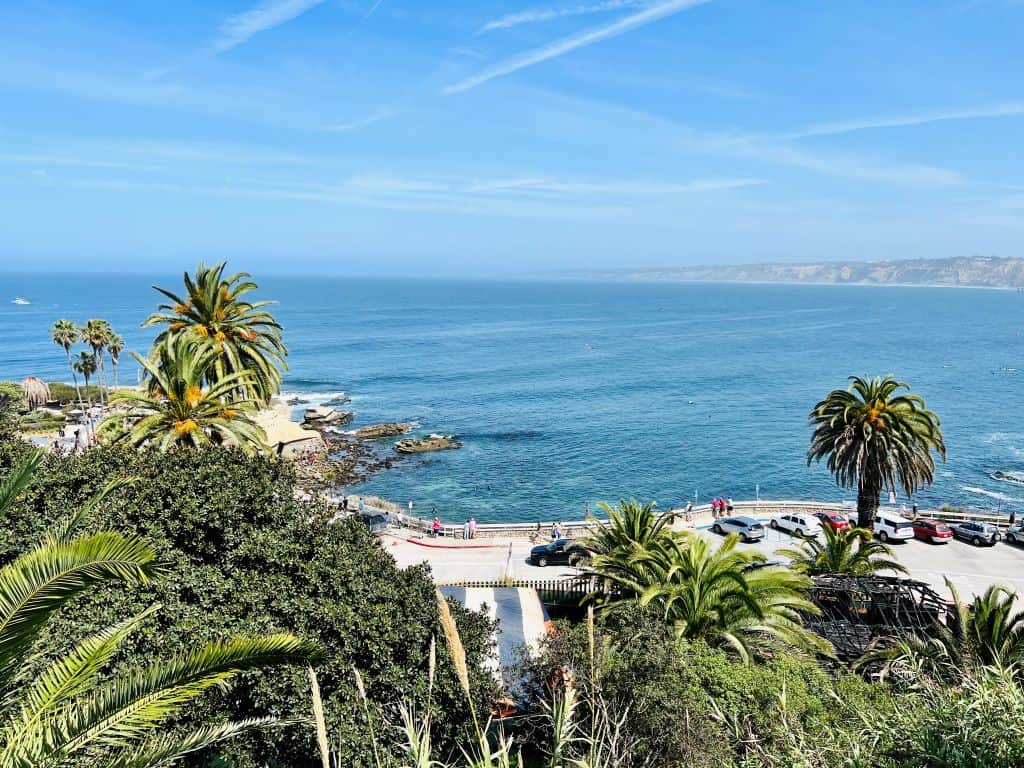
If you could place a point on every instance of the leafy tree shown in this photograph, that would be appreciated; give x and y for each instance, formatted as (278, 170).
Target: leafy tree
(64, 334)
(85, 364)
(243, 555)
(876, 439)
(175, 409)
(852, 551)
(727, 597)
(245, 335)
(66, 713)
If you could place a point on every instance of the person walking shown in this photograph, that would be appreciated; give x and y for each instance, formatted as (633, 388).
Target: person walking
(466, 533)
(728, 505)
(344, 503)
(361, 505)
(1013, 517)
(436, 527)
(398, 518)
(689, 511)
(472, 527)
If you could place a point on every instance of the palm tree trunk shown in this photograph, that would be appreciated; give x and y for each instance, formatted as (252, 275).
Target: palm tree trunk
(87, 395)
(867, 507)
(100, 377)
(74, 376)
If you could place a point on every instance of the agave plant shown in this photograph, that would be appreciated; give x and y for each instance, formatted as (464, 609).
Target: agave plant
(852, 551)
(176, 409)
(246, 337)
(66, 712)
(876, 439)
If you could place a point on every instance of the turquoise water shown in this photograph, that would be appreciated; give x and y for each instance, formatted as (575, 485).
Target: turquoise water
(564, 393)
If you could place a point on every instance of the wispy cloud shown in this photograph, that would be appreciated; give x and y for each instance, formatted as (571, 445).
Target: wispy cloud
(361, 122)
(573, 42)
(241, 27)
(373, 8)
(614, 187)
(899, 121)
(548, 14)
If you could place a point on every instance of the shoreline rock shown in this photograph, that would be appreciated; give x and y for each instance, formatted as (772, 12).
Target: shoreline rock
(318, 418)
(387, 429)
(427, 444)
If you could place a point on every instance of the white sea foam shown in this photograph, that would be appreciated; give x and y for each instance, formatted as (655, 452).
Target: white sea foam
(991, 494)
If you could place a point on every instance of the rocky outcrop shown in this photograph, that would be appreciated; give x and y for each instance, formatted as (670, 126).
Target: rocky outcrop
(376, 431)
(424, 445)
(318, 418)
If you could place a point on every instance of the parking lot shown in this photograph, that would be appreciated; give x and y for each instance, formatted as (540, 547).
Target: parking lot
(971, 569)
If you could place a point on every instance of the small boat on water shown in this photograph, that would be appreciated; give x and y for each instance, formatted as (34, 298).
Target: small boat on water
(20, 300)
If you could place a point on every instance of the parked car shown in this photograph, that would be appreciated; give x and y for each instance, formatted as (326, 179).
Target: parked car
(893, 527)
(558, 552)
(376, 523)
(935, 531)
(798, 522)
(748, 528)
(833, 520)
(978, 534)
(1015, 533)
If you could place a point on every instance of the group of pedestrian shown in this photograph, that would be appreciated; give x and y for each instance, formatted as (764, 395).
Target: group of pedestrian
(348, 506)
(468, 528)
(721, 508)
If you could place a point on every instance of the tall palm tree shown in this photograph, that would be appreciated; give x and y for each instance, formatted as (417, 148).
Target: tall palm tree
(64, 334)
(727, 597)
(67, 713)
(852, 551)
(245, 335)
(85, 364)
(876, 439)
(115, 346)
(634, 532)
(96, 333)
(176, 409)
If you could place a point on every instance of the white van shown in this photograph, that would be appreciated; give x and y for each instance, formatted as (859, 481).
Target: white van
(893, 527)
(802, 523)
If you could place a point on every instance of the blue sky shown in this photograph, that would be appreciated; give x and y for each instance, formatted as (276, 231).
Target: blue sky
(522, 136)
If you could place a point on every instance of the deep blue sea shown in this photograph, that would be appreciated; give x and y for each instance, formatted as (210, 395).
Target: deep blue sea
(569, 392)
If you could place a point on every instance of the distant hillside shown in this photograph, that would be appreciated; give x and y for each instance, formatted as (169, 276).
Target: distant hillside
(974, 271)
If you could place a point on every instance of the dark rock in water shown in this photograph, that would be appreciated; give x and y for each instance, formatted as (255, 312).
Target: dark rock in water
(1008, 477)
(318, 418)
(424, 445)
(293, 401)
(389, 429)
(339, 400)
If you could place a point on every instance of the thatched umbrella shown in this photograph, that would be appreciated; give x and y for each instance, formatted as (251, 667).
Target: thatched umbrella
(37, 392)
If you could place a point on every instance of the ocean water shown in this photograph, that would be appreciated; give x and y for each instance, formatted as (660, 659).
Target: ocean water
(565, 393)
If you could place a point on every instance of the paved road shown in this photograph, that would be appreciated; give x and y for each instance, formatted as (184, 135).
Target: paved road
(971, 569)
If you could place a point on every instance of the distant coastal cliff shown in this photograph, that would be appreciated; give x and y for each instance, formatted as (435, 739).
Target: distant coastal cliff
(973, 271)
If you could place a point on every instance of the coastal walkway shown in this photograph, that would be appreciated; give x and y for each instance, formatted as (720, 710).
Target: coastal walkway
(501, 551)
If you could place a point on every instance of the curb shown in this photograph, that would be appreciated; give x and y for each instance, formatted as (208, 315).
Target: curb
(447, 546)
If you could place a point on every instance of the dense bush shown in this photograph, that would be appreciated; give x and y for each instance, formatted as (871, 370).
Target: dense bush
(246, 557)
(691, 705)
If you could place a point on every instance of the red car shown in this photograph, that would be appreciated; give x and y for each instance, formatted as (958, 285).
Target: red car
(833, 520)
(934, 531)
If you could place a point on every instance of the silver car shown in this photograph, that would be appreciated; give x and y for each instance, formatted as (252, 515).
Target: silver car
(748, 528)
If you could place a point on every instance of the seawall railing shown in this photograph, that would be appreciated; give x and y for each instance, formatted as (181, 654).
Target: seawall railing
(700, 515)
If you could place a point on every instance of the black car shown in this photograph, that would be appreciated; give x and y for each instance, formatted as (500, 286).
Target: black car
(558, 552)
(376, 523)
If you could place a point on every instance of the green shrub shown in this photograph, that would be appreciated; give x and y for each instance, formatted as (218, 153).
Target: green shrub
(246, 557)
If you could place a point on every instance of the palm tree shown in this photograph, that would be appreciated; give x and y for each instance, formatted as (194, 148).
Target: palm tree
(66, 713)
(245, 335)
(64, 334)
(987, 633)
(634, 532)
(852, 551)
(875, 440)
(727, 597)
(96, 333)
(115, 346)
(85, 364)
(175, 409)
